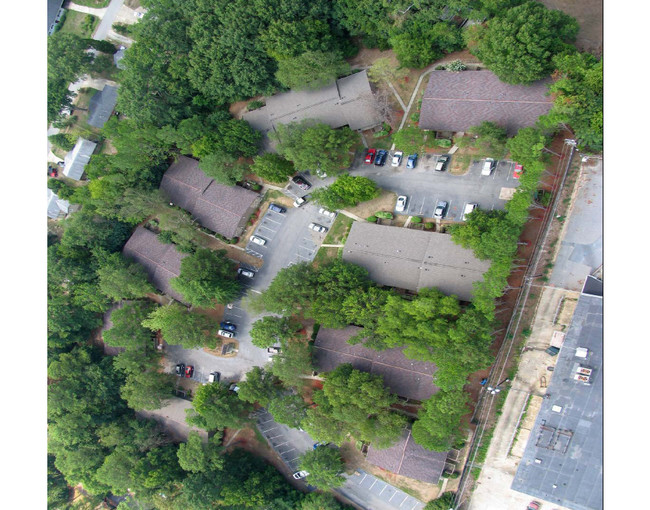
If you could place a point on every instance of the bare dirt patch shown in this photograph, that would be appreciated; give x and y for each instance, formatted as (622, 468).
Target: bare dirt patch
(384, 202)
(367, 56)
(233, 251)
(238, 108)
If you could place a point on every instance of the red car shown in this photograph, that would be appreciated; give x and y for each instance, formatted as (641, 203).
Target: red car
(533, 505)
(189, 371)
(370, 155)
(519, 169)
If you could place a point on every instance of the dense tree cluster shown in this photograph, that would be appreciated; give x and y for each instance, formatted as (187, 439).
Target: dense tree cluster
(346, 191)
(325, 467)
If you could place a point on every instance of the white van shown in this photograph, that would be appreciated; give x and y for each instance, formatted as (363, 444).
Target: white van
(468, 209)
(488, 166)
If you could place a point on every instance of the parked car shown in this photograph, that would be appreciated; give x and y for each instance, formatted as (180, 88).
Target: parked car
(325, 212)
(380, 159)
(441, 209)
(316, 445)
(370, 156)
(412, 161)
(214, 377)
(274, 350)
(320, 173)
(52, 171)
(318, 228)
(301, 182)
(189, 371)
(441, 164)
(401, 203)
(180, 369)
(533, 505)
(246, 272)
(519, 169)
(397, 158)
(468, 209)
(234, 387)
(299, 201)
(258, 240)
(277, 208)
(300, 474)
(226, 333)
(488, 166)
(228, 326)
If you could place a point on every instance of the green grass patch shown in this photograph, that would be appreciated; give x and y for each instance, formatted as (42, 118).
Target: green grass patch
(325, 255)
(385, 142)
(338, 233)
(95, 4)
(83, 97)
(80, 23)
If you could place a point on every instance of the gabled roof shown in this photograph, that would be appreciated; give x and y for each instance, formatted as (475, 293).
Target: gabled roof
(217, 207)
(161, 261)
(101, 106)
(457, 101)
(405, 377)
(76, 160)
(348, 101)
(414, 259)
(118, 56)
(56, 207)
(407, 458)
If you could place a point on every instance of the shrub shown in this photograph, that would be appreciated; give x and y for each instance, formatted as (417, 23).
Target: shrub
(57, 27)
(254, 105)
(440, 67)
(166, 236)
(385, 130)
(384, 214)
(456, 65)
(64, 141)
(415, 117)
(428, 225)
(122, 28)
(443, 142)
(103, 46)
(416, 220)
(372, 219)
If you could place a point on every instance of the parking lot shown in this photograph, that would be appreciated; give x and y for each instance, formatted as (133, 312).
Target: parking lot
(425, 187)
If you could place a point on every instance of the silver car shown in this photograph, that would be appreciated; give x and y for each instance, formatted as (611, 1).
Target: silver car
(441, 209)
(325, 212)
(258, 240)
(318, 228)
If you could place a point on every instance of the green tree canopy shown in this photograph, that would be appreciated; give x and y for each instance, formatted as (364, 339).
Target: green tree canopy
(223, 168)
(293, 362)
(147, 390)
(291, 291)
(311, 70)
(346, 191)
(120, 278)
(181, 327)
(270, 330)
(439, 419)
(527, 145)
(259, 386)
(325, 467)
(320, 501)
(127, 330)
(273, 168)
(215, 407)
(196, 457)
(288, 408)
(419, 42)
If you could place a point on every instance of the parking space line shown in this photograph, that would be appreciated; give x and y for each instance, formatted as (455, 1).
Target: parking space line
(383, 489)
(364, 477)
(285, 452)
(373, 484)
(405, 498)
(392, 496)
(414, 505)
(270, 219)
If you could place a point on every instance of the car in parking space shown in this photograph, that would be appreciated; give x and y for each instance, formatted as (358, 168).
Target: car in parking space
(488, 166)
(412, 161)
(441, 209)
(226, 333)
(299, 201)
(519, 169)
(300, 474)
(380, 159)
(401, 203)
(180, 369)
(189, 371)
(246, 272)
(318, 228)
(370, 156)
(533, 505)
(214, 377)
(228, 326)
(326, 212)
(468, 209)
(274, 350)
(258, 240)
(397, 158)
(301, 182)
(441, 164)
(234, 387)
(277, 208)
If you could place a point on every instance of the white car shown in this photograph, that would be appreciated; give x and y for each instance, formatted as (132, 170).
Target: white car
(214, 376)
(258, 240)
(397, 158)
(488, 166)
(441, 209)
(468, 209)
(227, 334)
(298, 202)
(318, 228)
(325, 212)
(401, 203)
(300, 474)
(246, 272)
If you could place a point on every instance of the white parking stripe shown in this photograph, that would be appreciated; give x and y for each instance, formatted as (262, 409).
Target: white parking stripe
(373, 484)
(364, 477)
(270, 219)
(383, 489)
(405, 498)
(392, 496)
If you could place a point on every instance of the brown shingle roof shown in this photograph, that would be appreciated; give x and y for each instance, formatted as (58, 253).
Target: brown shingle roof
(217, 207)
(407, 458)
(162, 262)
(413, 259)
(404, 377)
(458, 101)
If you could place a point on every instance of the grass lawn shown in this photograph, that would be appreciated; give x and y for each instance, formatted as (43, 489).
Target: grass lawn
(79, 23)
(83, 97)
(95, 4)
(336, 235)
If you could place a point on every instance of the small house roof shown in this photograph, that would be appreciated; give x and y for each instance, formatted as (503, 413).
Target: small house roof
(101, 106)
(76, 160)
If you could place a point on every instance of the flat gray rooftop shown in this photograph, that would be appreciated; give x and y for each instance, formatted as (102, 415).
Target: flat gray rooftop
(563, 460)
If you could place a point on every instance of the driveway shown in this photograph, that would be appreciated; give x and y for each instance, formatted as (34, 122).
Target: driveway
(425, 187)
(107, 19)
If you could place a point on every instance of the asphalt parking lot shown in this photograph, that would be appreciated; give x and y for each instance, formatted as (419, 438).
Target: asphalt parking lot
(425, 187)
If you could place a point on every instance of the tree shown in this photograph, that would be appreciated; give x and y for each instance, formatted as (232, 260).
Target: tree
(215, 407)
(57, 488)
(207, 276)
(311, 70)
(291, 291)
(259, 387)
(223, 168)
(196, 457)
(316, 145)
(409, 139)
(85, 231)
(238, 138)
(365, 18)
(384, 69)
(180, 327)
(291, 38)
(63, 141)
(293, 362)
(127, 330)
(444, 502)
(490, 138)
(419, 42)
(320, 501)
(270, 330)
(527, 145)
(288, 408)
(325, 467)
(120, 278)
(519, 45)
(439, 419)
(158, 470)
(147, 390)
(346, 191)
(116, 470)
(273, 168)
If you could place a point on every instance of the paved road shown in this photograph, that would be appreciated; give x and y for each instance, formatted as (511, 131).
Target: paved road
(581, 248)
(425, 187)
(108, 19)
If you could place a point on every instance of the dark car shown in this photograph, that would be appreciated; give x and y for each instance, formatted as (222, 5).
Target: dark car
(412, 161)
(380, 160)
(277, 208)
(228, 326)
(180, 369)
(189, 371)
(370, 156)
(301, 182)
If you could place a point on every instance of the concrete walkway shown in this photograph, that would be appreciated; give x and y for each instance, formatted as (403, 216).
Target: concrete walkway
(88, 10)
(88, 82)
(399, 98)
(350, 215)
